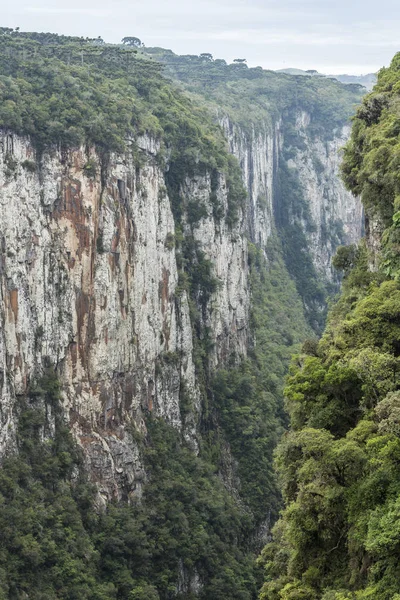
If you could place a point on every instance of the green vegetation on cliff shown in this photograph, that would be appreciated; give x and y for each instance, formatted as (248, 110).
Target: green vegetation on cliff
(247, 399)
(55, 544)
(338, 536)
(294, 222)
(260, 102)
(67, 91)
(187, 526)
(257, 97)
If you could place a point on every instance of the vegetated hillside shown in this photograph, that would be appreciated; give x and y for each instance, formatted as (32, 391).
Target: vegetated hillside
(60, 90)
(286, 132)
(338, 536)
(97, 146)
(256, 96)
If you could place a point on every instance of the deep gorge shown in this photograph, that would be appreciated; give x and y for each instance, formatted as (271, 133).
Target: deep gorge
(165, 249)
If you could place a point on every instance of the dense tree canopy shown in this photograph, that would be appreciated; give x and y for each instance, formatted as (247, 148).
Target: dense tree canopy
(132, 41)
(338, 536)
(255, 96)
(54, 544)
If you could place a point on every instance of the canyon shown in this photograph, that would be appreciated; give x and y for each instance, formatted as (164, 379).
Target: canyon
(137, 267)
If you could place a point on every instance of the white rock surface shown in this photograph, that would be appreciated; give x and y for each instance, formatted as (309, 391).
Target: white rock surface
(88, 273)
(332, 208)
(258, 153)
(87, 283)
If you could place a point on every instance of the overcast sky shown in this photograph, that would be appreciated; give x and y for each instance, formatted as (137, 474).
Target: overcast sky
(333, 36)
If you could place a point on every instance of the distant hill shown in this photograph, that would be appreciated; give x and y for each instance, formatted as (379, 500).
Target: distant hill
(368, 80)
(297, 72)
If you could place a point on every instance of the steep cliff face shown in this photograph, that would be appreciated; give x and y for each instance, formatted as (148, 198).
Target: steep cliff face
(333, 215)
(226, 315)
(287, 132)
(336, 215)
(90, 278)
(89, 284)
(95, 275)
(258, 152)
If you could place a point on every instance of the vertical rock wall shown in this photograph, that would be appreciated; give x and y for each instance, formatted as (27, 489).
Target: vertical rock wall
(336, 216)
(87, 282)
(89, 278)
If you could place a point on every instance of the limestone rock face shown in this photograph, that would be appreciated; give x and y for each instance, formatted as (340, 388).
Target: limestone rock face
(90, 279)
(374, 229)
(335, 216)
(87, 281)
(228, 311)
(258, 152)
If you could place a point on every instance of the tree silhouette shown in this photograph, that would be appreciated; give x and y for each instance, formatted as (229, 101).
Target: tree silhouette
(132, 41)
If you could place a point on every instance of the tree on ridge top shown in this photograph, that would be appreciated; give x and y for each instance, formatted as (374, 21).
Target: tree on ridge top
(132, 41)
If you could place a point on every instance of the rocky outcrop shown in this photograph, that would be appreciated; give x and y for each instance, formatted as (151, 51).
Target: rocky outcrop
(90, 280)
(374, 230)
(334, 215)
(258, 152)
(88, 284)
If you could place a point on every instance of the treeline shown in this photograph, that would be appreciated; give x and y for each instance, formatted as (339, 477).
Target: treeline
(255, 96)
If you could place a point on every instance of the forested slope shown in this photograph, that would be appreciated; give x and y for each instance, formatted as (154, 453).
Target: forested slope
(258, 96)
(338, 536)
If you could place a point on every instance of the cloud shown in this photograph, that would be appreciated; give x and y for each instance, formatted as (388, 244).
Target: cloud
(52, 10)
(296, 38)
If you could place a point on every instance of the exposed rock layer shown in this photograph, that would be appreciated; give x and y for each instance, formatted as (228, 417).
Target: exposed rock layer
(89, 280)
(336, 217)
(88, 283)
